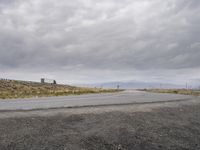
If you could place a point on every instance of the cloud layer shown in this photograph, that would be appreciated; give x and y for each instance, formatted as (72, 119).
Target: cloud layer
(84, 41)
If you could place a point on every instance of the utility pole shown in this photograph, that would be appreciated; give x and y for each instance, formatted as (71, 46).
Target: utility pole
(160, 85)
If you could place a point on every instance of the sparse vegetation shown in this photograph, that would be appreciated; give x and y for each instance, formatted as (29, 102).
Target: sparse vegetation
(175, 91)
(22, 89)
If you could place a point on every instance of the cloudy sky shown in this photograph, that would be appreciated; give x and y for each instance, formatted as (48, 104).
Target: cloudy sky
(90, 41)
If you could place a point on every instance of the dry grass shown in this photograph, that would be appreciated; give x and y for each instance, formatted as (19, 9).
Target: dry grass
(175, 91)
(23, 89)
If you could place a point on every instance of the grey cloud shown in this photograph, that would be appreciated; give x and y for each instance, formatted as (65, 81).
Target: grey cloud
(100, 36)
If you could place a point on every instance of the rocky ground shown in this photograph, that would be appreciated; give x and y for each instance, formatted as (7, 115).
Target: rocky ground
(128, 127)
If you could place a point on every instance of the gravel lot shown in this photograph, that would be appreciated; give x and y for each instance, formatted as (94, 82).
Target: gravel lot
(174, 125)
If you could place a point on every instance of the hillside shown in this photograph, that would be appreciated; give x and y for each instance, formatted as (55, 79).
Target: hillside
(23, 89)
(137, 85)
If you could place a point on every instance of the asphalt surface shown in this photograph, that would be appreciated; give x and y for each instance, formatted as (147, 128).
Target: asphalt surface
(126, 97)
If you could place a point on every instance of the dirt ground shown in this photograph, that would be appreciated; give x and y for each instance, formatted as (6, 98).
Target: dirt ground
(167, 126)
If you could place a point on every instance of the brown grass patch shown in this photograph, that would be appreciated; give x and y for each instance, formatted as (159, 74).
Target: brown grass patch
(23, 89)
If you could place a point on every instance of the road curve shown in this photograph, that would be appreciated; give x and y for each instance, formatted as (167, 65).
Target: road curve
(126, 97)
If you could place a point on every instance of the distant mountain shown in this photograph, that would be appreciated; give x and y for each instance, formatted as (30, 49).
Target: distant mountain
(135, 85)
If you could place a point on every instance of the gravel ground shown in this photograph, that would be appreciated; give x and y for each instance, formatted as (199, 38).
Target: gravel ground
(129, 127)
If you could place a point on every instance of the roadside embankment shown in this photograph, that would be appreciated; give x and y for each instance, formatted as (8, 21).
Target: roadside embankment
(24, 89)
(175, 91)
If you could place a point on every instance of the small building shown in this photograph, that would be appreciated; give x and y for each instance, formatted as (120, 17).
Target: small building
(50, 81)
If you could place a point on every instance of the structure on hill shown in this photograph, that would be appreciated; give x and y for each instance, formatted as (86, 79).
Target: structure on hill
(51, 81)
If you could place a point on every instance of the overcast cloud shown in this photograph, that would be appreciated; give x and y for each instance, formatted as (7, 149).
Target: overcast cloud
(87, 41)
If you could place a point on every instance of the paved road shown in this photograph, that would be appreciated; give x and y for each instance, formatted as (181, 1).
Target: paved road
(125, 97)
